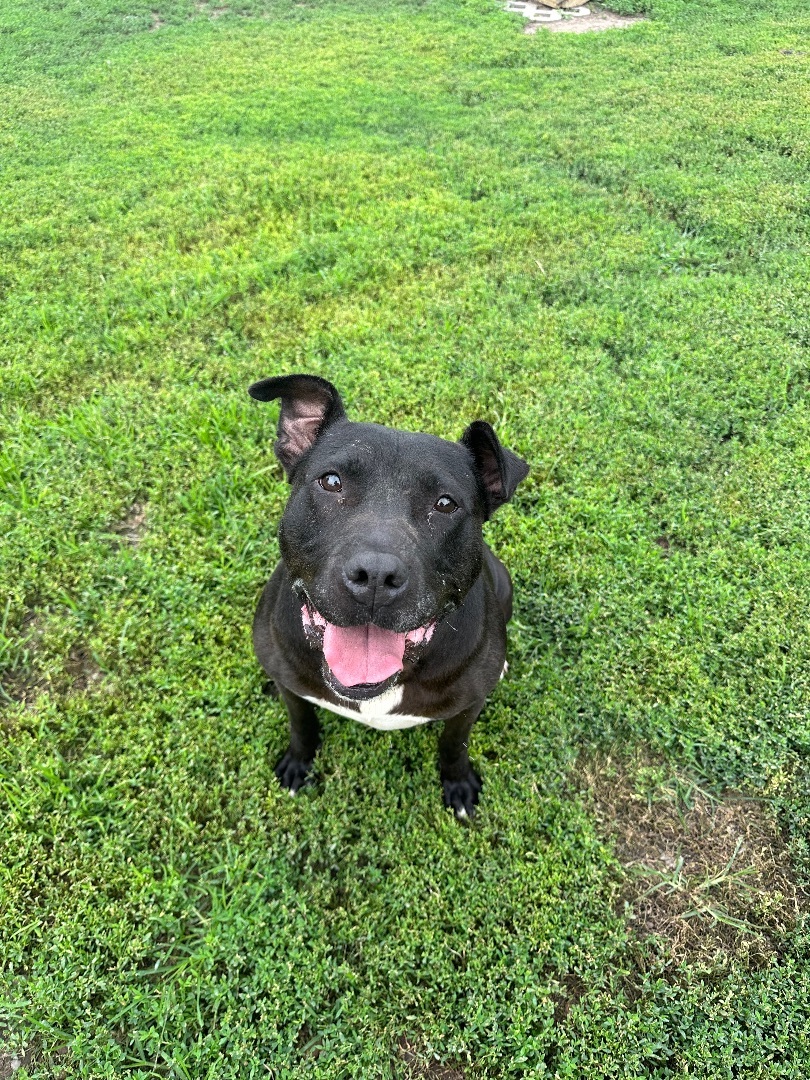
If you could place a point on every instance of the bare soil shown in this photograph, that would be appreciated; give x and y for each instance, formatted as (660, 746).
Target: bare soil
(416, 1068)
(24, 682)
(53, 1064)
(597, 20)
(710, 875)
(133, 526)
(82, 668)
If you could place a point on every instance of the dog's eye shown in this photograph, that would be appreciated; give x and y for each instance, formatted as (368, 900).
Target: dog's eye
(330, 482)
(445, 505)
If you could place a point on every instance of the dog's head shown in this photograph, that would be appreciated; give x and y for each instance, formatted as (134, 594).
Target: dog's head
(382, 532)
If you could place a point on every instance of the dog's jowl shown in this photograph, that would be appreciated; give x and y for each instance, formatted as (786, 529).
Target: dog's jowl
(387, 607)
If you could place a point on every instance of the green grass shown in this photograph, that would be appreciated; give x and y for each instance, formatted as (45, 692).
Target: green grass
(597, 242)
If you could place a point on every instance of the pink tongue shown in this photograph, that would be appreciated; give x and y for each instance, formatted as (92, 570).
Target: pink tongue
(362, 654)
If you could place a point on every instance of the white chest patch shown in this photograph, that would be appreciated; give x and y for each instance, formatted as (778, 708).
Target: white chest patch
(377, 712)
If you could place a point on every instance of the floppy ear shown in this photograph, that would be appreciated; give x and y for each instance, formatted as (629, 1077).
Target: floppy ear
(499, 470)
(308, 406)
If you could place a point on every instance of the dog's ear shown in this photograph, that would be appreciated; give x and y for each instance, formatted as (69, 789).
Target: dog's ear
(308, 406)
(499, 470)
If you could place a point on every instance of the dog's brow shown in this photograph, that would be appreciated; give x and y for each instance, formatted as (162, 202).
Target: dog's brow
(347, 457)
(359, 468)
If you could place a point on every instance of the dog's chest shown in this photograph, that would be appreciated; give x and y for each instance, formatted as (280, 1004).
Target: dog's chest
(377, 712)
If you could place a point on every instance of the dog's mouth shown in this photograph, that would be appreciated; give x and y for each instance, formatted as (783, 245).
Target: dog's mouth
(362, 661)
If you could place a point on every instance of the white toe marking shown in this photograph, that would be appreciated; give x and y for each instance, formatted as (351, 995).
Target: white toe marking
(462, 813)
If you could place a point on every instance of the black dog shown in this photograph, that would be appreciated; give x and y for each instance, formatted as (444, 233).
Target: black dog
(388, 607)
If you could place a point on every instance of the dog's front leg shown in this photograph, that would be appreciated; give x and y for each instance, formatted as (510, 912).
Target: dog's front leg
(294, 768)
(461, 784)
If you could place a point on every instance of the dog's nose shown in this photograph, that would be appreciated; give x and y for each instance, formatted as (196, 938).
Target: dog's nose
(375, 578)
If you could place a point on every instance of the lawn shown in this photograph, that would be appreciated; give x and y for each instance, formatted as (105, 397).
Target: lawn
(597, 242)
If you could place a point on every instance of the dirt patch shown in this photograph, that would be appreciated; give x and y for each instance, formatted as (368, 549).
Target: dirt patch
(157, 23)
(568, 16)
(414, 1066)
(20, 682)
(211, 12)
(133, 526)
(572, 988)
(671, 545)
(32, 1058)
(82, 668)
(9, 1064)
(596, 20)
(710, 874)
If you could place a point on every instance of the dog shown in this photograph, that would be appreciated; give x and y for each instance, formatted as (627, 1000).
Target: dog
(387, 607)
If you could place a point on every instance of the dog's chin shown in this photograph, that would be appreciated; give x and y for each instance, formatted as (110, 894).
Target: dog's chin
(361, 692)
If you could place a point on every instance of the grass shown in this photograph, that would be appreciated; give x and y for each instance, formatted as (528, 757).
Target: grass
(597, 242)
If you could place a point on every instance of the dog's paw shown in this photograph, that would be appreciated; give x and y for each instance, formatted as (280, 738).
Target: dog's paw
(293, 773)
(461, 796)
